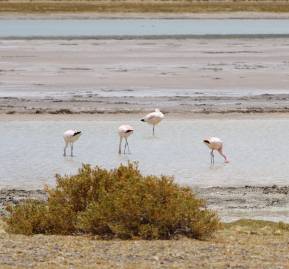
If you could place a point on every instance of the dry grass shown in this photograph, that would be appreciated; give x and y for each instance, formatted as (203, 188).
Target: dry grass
(243, 244)
(181, 6)
(118, 203)
(257, 226)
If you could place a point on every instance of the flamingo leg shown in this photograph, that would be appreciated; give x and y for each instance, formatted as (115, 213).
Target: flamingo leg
(223, 155)
(127, 146)
(119, 146)
(71, 147)
(212, 157)
(64, 151)
(153, 130)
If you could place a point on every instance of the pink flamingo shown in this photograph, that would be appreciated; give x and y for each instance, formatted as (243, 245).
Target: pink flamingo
(215, 143)
(154, 118)
(70, 136)
(124, 132)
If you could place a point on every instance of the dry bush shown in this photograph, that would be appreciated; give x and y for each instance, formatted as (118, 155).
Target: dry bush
(28, 218)
(118, 203)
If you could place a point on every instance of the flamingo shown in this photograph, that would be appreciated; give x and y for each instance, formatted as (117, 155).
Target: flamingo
(154, 118)
(124, 132)
(215, 143)
(70, 136)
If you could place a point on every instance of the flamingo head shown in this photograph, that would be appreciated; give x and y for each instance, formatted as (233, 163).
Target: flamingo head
(77, 133)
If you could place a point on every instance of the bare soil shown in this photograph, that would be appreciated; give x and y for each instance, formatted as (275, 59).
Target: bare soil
(236, 246)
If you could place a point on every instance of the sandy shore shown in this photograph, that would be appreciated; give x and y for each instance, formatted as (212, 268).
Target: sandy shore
(130, 76)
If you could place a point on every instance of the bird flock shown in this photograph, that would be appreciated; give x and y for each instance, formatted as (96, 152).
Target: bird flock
(125, 130)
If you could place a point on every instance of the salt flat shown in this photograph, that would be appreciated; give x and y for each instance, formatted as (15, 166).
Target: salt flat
(98, 76)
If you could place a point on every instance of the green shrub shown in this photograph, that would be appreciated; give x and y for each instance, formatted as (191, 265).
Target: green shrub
(118, 203)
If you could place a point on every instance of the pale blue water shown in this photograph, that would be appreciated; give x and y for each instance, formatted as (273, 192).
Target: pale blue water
(140, 27)
(31, 151)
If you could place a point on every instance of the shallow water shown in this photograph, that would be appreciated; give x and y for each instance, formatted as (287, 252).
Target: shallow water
(141, 27)
(31, 151)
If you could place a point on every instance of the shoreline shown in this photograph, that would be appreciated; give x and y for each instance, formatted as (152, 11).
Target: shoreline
(170, 116)
(270, 203)
(92, 103)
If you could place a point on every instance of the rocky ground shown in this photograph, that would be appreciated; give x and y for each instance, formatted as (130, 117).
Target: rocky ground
(252, 202)
(15, 196)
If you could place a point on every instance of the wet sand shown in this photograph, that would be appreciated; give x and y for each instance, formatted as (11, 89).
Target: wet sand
(111, 76)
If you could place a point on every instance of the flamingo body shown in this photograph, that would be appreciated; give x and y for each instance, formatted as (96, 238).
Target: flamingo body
(70, 136)
(124, 131)
(215, 143)
(154, 118)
